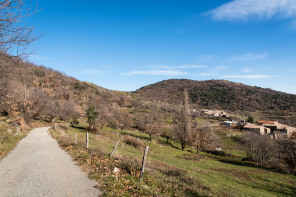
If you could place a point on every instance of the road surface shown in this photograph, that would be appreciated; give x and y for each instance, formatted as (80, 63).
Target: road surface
(39, 167)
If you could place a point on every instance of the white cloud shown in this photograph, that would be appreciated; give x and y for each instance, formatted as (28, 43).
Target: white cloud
(249, 57)
(246, 70)
(192, 66)
(205, 74)
(155, 73)
(181, 66)
(248, 76)
(91, 72)
(255, 9)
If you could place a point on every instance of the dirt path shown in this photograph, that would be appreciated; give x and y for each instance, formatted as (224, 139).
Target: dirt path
(39, 167)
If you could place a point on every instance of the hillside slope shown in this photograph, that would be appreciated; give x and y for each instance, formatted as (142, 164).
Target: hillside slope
(36, 92)
(222, 94)
(30, 92)
(219, 94)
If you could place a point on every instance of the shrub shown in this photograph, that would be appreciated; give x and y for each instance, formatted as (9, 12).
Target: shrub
(131, 166)
(174, 172)
(218, 153)
(133, 142)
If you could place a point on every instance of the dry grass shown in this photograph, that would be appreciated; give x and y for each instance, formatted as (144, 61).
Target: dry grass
(8, 137)
(170, 171)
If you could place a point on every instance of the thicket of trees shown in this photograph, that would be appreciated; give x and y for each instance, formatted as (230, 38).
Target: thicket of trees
(31, 92)
(187, 132)
(267, 152)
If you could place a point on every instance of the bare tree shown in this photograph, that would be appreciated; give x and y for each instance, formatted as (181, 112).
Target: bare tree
(102, 117)
(183, 127)
(166, 132)
(287, 148)
(14, 32)
(123, 118)
(202, 139)
(259, 148)
(149, 124)
(68, 110)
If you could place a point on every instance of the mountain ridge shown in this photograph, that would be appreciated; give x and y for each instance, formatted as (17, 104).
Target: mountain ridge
(52, 93)
(224, 95)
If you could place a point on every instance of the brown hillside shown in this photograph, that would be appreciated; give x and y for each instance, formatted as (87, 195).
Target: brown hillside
(35, 92)
(222, 94)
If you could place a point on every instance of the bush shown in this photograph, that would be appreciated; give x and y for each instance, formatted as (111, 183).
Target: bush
(130, 166)
(133, 142)
(218, 153)
(174, 172)
(66, 141)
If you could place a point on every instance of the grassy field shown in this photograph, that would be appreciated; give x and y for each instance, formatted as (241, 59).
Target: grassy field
(8, 137)
(171, 171)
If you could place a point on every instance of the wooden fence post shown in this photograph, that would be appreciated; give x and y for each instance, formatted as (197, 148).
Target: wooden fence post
(75, 138)
(143, 163)
(114, 148)
(87, 140)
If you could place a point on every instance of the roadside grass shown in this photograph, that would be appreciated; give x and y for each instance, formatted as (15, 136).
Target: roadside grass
(171, 171)
(8, 137)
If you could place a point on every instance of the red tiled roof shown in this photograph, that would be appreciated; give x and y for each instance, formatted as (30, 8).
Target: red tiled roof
(266, 122)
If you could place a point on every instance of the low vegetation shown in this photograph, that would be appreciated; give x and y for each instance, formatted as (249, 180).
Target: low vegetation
(9, 137)
(170, 171)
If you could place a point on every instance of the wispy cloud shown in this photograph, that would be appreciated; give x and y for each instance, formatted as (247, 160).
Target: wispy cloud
(180, 66)
(255, 9)
(91, 72)
(249, 57)
(155, 73)
(192, 66)
(248, 76)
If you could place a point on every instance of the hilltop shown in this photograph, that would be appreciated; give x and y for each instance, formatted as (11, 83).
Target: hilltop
(225, 95)
(37, 92)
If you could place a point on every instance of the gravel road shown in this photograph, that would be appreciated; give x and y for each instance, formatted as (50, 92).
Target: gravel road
(39, 167)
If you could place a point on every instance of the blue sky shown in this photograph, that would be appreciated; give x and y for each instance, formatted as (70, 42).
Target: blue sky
(127, 44)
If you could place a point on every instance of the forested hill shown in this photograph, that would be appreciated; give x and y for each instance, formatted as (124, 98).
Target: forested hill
(219, 94)
(34, 92)
(28, 92)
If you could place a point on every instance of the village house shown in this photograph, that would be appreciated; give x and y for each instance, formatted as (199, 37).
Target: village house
(257, 128)
(216, 113)
(277, 128)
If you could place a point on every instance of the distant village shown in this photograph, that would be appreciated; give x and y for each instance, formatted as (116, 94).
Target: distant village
(272, 128)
